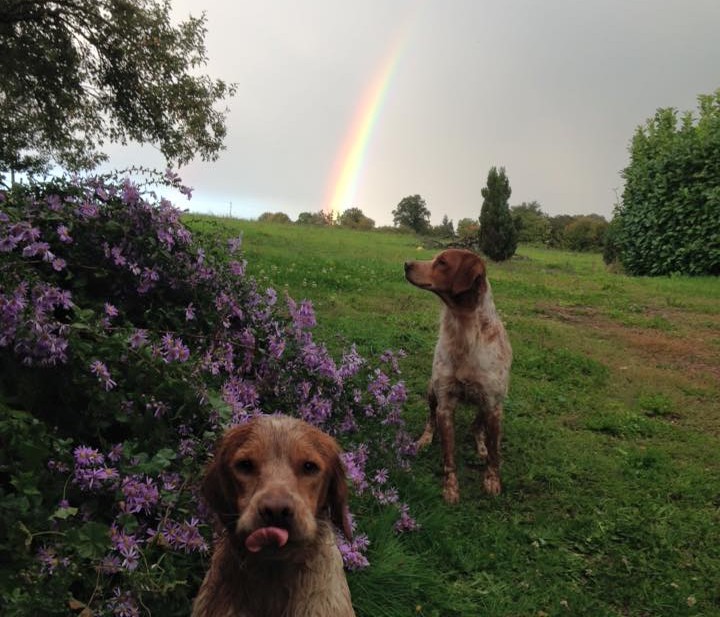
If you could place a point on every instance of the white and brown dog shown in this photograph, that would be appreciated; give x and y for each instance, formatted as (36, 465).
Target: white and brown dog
(471, 363)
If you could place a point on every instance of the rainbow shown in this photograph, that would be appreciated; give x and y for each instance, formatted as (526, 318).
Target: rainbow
(350, 161)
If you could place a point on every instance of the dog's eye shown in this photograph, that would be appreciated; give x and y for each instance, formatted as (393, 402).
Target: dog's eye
(440, 261)
(310, 468)
(244, 465)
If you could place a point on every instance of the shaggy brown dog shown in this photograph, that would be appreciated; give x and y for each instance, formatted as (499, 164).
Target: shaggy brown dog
(276, 484)
(472, 360)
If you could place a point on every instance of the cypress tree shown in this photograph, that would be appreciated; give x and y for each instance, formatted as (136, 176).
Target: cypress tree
(498, 236)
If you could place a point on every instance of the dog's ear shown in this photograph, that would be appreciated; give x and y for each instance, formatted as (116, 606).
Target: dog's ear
(337, 496)
(217, 485)
(470, 275)
(216, 491)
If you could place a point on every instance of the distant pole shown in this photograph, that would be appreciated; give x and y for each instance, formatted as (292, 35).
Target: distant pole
(230, 209)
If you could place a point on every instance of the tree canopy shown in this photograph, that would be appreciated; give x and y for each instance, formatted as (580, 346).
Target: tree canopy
(354, 218)
(412, 212)
(531, 223)
(78, 73)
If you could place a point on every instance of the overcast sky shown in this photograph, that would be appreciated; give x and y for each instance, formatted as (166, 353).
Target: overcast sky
(551, 90)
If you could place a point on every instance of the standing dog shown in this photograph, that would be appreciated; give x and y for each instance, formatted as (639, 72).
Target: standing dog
(471, 363)
(276, 485)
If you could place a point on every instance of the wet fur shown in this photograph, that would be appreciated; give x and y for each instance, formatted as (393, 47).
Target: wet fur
(471, 362)
(304, 578)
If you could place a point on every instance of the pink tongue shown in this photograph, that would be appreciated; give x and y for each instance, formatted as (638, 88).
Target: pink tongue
(265, 536)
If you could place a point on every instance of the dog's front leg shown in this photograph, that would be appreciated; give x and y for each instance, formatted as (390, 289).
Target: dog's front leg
(493, 433)
(446, 426)
(427, 436)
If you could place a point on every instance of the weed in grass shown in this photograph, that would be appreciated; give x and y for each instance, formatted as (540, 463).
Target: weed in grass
(656, 404)
(619, 422)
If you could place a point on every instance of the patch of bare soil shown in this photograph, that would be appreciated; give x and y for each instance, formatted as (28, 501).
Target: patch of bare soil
(689, 347)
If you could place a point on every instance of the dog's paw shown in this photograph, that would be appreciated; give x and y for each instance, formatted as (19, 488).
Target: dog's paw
(491, 483)
(451, 490)
(425, 440)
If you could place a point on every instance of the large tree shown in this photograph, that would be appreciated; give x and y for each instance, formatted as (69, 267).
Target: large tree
(498, 237)
(412, 212)
(78, 73)
(669, 218)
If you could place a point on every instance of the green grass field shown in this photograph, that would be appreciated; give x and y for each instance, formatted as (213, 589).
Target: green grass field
(611, 502)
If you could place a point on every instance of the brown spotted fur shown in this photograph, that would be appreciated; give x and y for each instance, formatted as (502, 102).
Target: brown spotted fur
(471, 362)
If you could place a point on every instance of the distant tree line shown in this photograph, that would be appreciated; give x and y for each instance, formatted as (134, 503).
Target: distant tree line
(522, 223)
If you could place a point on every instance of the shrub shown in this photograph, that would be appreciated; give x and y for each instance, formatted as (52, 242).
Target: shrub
(467, 231)
(274, 217)
(125, 348)
(586, 233)
(668, 220)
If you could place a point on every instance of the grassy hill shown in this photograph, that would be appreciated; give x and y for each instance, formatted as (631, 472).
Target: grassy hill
(611, 502)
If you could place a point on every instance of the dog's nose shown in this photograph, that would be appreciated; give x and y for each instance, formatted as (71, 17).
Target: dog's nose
(276, 510)
(408, 265)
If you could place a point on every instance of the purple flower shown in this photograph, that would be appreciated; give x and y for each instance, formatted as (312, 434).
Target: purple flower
(88, 210)
(387, 496)
(130, 193)
(64, 234)
(186, 447)
(54, 203)
(184, 536)
(240, 394)
(115, 453)
(37, 248)
(173, 349)
(378, 386)
(170, 480)
(148, 278)
(138, 338)
(87, 457)
(316, 411)
(355, 467)
(381, 476)
(234, 244)
(171, 176)
(7, 244)
(110, 310)
(128, 547)
(99, 369)
(48, 560)
(406, 522)
(237, 268)
(276, 346)
(110, 564)
(189, 312)
(303, 315)
(352, 552)
(139, 495)
(117, 256)
(351, 364)
(91, 478)
(58, 264)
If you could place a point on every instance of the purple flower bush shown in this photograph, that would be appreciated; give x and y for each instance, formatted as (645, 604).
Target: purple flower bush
(126, 347)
